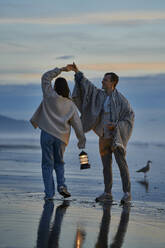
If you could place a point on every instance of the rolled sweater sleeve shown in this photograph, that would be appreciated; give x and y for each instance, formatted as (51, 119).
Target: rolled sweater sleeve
(46, 79)
(77, 126)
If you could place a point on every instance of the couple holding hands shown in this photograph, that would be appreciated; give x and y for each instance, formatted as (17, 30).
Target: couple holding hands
(105, 111)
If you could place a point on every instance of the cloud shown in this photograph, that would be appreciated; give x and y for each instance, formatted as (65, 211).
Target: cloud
(104, 18)
(65, 57)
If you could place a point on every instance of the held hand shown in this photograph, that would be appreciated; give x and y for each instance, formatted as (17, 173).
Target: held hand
(73, 67)
(66, 68)
(111, 126)
(81, 143)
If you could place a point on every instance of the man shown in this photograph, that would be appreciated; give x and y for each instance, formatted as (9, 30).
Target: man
(108, 113)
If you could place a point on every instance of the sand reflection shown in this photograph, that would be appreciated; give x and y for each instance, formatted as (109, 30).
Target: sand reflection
(48, 236)
(49, 231)
(102, 241)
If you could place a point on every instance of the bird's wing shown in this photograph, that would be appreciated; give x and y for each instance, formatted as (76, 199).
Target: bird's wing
(141, 170)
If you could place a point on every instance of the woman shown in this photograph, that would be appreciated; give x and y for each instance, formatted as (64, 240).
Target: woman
(55, 116)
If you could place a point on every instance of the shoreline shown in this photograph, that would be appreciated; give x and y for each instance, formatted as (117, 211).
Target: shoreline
(143, 208)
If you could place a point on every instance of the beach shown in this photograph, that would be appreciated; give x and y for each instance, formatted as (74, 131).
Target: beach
(103, 39)
(27, 221)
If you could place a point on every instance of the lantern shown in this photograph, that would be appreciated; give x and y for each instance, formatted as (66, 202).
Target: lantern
(84, 160)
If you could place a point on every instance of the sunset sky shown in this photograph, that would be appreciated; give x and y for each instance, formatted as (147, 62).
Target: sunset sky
(122, 36)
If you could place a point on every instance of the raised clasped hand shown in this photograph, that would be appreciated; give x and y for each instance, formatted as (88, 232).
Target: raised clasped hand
(67, 68)
(72, 67)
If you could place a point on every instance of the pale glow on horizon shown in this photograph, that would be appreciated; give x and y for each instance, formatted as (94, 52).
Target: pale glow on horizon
(91, 18)
(124, 69)
(154, 67)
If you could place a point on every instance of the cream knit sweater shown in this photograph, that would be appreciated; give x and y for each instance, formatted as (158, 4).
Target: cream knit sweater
(56, 114)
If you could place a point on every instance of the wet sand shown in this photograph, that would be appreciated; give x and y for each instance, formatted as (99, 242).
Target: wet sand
(27, 221)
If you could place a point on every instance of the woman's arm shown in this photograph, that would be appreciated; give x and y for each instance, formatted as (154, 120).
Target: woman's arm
(77, 126)
(47, 77)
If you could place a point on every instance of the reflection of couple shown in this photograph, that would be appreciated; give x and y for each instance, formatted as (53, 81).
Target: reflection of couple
(102, 241)
(106, 112)
(48, 235)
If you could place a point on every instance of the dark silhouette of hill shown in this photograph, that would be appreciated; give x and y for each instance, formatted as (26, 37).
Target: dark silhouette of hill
(11, 125)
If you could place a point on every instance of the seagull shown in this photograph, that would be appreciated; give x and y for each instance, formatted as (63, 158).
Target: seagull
(146, 168)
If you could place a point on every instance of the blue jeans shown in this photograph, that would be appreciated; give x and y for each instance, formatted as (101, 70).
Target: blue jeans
(52, 158)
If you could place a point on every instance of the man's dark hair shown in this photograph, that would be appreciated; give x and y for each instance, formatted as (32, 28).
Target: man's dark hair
(114, 77)
(61, 87)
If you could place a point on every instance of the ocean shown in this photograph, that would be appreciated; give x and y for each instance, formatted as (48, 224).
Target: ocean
(20, 168)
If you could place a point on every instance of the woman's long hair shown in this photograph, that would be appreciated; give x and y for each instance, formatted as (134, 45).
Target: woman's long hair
(61, 87)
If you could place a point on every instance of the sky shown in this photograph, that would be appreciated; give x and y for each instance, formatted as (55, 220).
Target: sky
(122, 36)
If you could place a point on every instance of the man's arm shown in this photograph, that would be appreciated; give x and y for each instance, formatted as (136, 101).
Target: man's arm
(79, 78)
